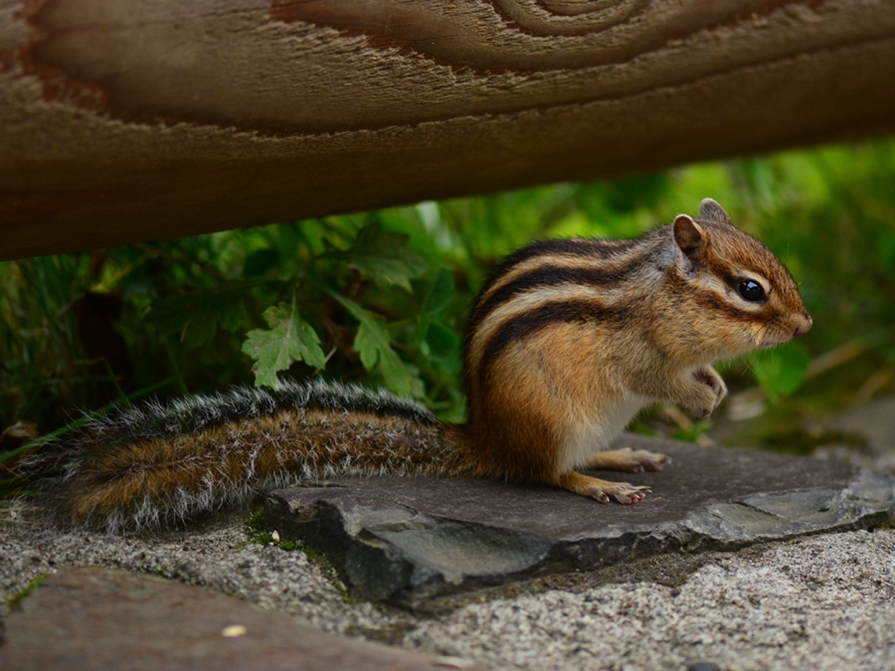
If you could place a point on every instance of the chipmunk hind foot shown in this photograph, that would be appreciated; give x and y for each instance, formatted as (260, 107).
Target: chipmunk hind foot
(626, 459)
(603, 491)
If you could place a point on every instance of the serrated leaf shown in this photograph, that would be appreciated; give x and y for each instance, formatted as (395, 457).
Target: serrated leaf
(373, 344)
(440, 293)
(289, 339)
(780, 371)
(384, 257)
(197, 316)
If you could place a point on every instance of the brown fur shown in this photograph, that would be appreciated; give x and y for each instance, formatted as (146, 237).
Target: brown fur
(284, 441)
(549, 364)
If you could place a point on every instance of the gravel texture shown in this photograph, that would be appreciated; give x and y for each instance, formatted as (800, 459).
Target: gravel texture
(821, 602)
(218, 557)
(826, 602)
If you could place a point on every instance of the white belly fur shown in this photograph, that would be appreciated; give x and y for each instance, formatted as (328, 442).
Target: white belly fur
(597, 432)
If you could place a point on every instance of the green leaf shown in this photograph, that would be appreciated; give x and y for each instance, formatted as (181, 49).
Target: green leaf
(289, 339)
(259, 262)
(780, 371)
(442, 340)
(444, 347)
(373, 344)
(440, 293)
(692, 434)
(198, 315)
(384, 257)
(886, 247)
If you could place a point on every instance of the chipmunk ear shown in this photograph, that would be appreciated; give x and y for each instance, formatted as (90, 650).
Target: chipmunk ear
(687, 235)
(709, 210)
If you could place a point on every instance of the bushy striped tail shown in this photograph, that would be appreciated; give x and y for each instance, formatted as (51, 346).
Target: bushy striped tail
(161, 464)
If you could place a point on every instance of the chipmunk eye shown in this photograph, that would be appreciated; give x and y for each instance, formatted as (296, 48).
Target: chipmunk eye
(751, 291)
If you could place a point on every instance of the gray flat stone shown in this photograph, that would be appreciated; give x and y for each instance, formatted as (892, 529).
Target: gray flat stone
(95, 619)
(410, 540)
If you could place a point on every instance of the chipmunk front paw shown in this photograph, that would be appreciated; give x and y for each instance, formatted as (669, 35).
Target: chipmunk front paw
(706, 391)
(710, 378)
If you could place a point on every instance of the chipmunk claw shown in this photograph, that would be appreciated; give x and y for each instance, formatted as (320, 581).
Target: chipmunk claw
(628, 494)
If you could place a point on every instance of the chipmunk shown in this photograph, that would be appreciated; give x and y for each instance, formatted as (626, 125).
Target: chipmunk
(567, 341)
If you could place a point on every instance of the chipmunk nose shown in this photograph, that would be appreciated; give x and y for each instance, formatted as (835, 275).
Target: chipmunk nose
(803, 325)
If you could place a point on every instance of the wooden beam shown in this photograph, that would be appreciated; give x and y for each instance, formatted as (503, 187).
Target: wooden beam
(134, 120)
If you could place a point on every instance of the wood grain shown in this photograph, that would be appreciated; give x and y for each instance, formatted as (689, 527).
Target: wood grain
(131, 120)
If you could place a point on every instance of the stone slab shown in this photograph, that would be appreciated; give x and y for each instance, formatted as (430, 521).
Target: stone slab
(96, 619)
(411, 540)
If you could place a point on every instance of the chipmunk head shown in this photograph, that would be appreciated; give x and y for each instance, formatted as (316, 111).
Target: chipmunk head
(743, 297)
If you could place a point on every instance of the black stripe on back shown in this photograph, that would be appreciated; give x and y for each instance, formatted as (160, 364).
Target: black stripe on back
(559, 312)
(589, 247)
(545, 276)
(569, 247)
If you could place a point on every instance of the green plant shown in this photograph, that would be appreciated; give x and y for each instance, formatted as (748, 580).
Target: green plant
(16, 600)
(380, 298)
